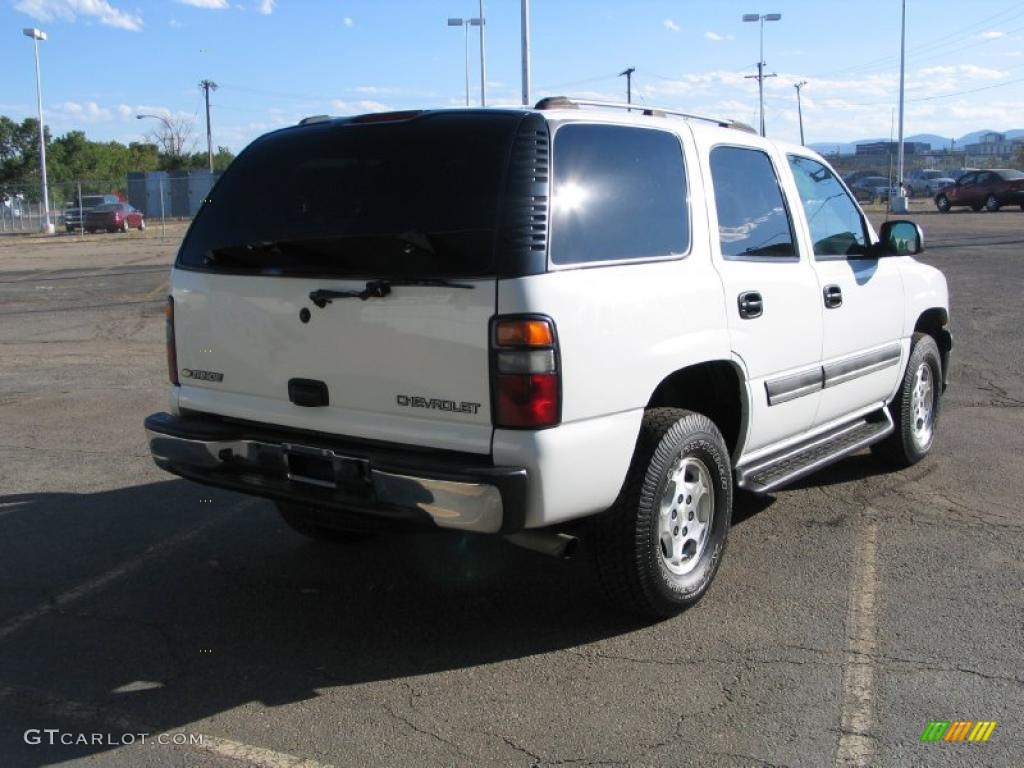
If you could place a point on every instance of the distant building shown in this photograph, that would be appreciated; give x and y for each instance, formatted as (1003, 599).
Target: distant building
(994, 145)
(892, 147)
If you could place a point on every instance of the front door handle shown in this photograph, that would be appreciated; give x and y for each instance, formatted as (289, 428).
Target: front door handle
(750, 304)
(833, 296)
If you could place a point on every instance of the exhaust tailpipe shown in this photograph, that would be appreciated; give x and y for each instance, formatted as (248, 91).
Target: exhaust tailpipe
(560, 545)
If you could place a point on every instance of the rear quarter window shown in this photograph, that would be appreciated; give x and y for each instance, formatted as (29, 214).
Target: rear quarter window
(619, 193)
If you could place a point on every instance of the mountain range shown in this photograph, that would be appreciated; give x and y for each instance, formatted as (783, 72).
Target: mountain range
(937, 142)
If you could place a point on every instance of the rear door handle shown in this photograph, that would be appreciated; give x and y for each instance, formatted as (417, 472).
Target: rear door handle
(833, 296)
(750, 304)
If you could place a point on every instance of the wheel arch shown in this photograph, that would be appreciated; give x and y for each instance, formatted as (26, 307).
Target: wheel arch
(717, 389)
(935, 322)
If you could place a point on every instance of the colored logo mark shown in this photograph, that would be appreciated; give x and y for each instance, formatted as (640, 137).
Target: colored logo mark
(958, 730)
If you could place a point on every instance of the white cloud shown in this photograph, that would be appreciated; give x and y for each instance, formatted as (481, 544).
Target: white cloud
(175, 24)
(348, 21)
(375, 89)
(69, 10)
(714, 36)
(212, 4)
(670, 25)
(266, 7)
(88, 112)
(966, 70)
(355, 107)
(992, 35)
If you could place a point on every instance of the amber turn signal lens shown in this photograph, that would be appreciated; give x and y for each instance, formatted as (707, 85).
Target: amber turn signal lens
(524, 333)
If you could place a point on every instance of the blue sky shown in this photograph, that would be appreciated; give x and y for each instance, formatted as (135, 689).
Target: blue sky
(276, 62)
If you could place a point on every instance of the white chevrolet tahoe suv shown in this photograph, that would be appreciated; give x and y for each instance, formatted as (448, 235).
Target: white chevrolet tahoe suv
(508, 321)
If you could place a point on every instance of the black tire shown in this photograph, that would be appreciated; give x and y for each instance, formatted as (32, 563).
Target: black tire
(297, 517)
(942, 203)
(1022, 206)
(907, 445)
(630, 559)
(124, 227)
(992, 204)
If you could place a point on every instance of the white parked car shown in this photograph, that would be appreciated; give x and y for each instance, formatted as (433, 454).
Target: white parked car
(509, 321)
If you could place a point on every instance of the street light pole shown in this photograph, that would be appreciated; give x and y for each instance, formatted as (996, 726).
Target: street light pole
(762, 18)
(465, 24)
(526, 51)
(37, 35)
(483, 58)
(899, 204)
(799, 110)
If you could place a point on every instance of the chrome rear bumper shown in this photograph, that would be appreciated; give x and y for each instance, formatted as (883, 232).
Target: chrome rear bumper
(451, 491)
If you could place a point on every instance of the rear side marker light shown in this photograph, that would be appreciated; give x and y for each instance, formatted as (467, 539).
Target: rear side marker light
(172, 351)
(526, 381)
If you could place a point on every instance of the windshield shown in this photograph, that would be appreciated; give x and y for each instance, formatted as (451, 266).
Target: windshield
(1011, 175)
(106, 208)
(407, 198)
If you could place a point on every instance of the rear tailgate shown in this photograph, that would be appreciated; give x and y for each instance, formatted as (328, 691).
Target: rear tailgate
(409, 368)
(333, 207)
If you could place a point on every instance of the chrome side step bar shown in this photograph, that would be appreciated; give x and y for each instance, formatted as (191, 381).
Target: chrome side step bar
(772, 472)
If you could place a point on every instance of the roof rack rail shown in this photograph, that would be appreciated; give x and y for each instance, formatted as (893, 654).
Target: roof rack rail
(314, 119)
(568, 102)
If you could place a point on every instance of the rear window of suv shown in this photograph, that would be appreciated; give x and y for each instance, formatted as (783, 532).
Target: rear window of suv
(410, 198)
(619, 193)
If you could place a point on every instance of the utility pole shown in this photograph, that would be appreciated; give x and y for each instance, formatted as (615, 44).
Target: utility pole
(37, 35)
(483, 58)
(207, 86)
(526, 52)
(761, 77)
(799, 110)
(628, 72)
(761, 18)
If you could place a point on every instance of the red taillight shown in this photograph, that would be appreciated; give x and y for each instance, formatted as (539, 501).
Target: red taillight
(525, 377)
(172, 352)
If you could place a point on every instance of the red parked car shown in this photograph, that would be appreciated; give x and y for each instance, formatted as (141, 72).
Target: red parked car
(990, 190)
(114, 217)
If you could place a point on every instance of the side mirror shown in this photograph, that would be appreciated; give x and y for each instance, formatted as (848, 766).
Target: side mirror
(900, 238)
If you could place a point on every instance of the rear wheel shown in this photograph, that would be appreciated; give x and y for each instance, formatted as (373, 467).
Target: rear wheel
(300, 519)
(659, 546)
(942, 203)
(915, 411)
(992, 204)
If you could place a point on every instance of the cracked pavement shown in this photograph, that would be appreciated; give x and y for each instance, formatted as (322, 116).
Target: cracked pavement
(459, 651)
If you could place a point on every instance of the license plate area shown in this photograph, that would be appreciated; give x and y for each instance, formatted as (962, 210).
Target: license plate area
(324, 468)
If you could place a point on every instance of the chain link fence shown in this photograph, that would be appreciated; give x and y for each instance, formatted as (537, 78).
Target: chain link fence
(160, 196)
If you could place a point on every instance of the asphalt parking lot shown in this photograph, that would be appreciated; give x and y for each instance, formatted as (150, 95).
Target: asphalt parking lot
(849, 612)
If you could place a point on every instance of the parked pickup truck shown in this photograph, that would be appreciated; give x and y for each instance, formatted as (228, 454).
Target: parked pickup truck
(572, 320)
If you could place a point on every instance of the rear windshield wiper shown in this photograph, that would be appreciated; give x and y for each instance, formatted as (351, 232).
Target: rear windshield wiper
(378, 289)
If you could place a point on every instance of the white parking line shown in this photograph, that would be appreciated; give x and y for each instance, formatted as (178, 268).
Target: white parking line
(39, 702)
(99, 582)
(857, 745)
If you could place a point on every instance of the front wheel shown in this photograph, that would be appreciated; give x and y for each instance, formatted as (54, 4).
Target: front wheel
(142, 225)
(992, 204)
(659, 546)
(915, 411)
(942, 203)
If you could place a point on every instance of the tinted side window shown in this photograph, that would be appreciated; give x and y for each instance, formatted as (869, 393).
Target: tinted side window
(833, 218)
(752, 216)
(967, 179)
(619, 193)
